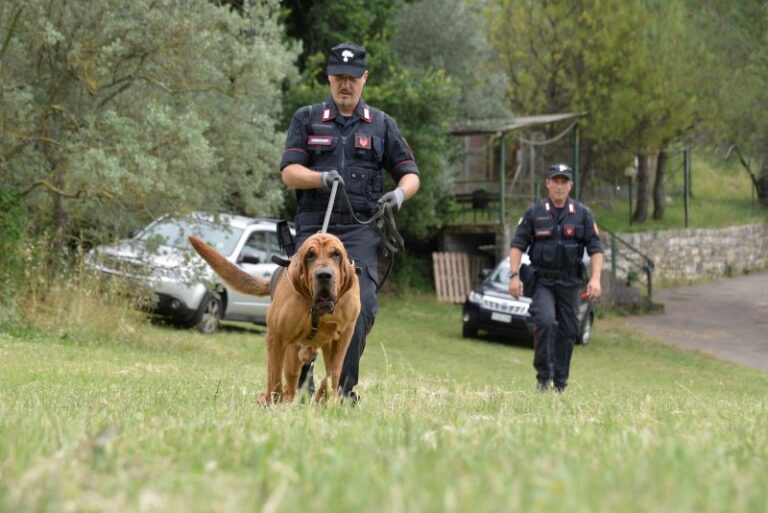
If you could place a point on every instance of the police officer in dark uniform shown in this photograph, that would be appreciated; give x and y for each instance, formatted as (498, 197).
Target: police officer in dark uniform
(345, 138)
(555, 231)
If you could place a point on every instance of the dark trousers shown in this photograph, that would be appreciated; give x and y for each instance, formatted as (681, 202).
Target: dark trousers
(362, 245)
(554, 310)
(350, 370)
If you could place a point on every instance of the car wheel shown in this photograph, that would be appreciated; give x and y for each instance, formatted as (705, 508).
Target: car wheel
(209, 314)
(468, 328)
(586, 330)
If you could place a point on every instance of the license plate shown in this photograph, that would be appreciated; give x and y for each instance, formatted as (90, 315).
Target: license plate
(501, 317)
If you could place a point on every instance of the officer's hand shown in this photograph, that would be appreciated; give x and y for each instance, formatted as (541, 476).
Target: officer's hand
(393, 198)
(516, 287)
(326, 179)
(593, 289)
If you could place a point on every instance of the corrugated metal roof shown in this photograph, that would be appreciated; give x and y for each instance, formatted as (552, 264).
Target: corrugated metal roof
(498, 126)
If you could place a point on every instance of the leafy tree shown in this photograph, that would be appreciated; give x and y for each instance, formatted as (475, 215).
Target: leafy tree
(451, 35)
(622, 62)
(736, 38)
(115, 112)
(418, 98)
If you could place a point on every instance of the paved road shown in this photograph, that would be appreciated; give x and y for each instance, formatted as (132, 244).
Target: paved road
(727, 318)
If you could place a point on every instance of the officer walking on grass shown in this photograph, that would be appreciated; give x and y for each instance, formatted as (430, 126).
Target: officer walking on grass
(555, 231)
(346, 138)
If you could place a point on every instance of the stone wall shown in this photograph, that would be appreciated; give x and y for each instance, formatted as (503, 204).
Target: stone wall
(698, 253)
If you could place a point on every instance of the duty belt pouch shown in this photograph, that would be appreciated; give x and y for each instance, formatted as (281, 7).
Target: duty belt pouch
(528, 277)
(286, 241)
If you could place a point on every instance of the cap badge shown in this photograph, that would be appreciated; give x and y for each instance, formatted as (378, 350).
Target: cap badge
(346, 55)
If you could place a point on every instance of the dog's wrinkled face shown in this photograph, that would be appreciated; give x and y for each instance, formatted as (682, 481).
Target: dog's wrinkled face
(324, 270)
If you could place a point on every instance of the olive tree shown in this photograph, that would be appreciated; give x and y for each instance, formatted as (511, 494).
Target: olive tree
(115, 112)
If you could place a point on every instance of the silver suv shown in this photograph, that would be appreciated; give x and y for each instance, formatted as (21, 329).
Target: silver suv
(160, 258)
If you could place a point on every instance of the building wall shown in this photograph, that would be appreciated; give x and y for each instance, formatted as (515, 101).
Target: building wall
(699, 253)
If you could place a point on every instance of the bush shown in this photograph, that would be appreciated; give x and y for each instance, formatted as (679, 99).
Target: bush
(13, 223)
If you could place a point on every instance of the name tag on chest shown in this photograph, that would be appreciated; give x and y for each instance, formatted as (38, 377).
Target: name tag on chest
(320, 140)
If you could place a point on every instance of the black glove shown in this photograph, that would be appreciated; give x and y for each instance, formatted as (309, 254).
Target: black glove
(393, 198)
(326, 180)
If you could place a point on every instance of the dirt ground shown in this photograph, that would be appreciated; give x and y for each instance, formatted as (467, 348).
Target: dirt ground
(727, 318)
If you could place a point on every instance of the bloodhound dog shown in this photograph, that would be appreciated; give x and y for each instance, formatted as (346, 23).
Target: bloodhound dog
(315, 304)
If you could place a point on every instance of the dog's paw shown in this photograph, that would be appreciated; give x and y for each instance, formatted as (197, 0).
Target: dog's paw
(324, 391)
(268, 399)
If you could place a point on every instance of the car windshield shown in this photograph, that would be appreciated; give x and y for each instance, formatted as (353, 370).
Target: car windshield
(174, 232)
(500, 275)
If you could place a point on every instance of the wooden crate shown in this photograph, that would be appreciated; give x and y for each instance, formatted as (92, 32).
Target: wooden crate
(456, 274)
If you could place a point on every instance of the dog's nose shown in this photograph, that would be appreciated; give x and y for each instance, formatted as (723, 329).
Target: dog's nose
(323, 275)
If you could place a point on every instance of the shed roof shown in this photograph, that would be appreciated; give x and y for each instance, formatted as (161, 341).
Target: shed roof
(498, 126)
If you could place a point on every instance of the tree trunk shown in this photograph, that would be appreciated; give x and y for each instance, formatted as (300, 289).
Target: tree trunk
(659, 195)
(641, 205)
(761, 184)
(59, 222)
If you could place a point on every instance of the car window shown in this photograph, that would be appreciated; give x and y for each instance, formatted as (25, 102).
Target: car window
(274, 245)
(257, 246)
(174, 232)
(500, 275)
(263, 244)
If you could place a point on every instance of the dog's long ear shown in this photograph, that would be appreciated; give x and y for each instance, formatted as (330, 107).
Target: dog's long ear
(348, 275)
(297, 274)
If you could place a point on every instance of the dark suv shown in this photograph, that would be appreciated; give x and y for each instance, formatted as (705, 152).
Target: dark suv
(490, 307)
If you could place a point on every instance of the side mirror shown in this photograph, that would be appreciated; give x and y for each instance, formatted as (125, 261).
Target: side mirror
(249, 256)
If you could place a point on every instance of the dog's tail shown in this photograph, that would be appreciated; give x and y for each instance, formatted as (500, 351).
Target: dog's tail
(235, 277)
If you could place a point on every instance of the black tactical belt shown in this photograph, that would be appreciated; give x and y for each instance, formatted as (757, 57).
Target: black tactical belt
(317, 218)
(551, 273)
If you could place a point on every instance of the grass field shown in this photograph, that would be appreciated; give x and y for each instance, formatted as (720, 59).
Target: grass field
(159, 419)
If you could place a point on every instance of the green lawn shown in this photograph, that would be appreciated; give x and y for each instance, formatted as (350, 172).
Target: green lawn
(158, 419)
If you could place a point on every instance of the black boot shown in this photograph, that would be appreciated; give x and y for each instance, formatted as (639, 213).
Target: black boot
(350, 397)
(306, 379)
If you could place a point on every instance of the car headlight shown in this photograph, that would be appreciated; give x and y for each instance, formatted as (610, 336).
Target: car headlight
(475, 297)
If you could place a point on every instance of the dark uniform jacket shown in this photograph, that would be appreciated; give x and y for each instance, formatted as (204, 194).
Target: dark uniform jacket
(360, 148)
(556, 239)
